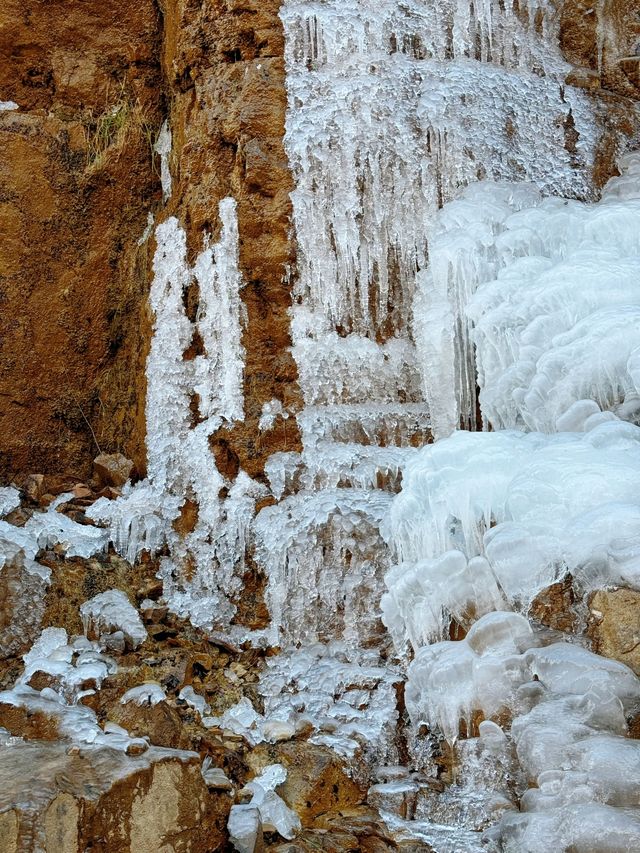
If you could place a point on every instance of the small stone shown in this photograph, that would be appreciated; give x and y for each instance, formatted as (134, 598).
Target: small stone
(137, 747)
(112, 469)
(397, 797)
(34, 486)
(614, 625)
(81, 491)
(390, 773)
(152, 613)
(151, 589)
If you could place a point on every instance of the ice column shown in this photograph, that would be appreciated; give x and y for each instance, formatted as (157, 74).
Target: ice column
(189, 399)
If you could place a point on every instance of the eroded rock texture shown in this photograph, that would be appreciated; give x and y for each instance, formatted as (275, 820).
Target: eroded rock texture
(224, 64)
(77, 183)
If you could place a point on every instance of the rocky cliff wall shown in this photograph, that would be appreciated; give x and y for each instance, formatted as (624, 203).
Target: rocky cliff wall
(93, 83)
(78, 180)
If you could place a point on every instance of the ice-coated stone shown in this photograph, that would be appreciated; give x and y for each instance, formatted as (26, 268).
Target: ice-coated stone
(162, 147)
(245, 829)
(149, 693)
(194, 700)
(112, 611)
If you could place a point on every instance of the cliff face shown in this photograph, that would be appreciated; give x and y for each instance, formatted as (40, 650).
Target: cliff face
(96, 88)
(224, 65)
(93, 83)
(77, 183)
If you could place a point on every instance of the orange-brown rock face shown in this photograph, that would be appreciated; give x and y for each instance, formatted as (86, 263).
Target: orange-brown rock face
(602, 42)
(77, 181)
(224, 63)
(605, 39)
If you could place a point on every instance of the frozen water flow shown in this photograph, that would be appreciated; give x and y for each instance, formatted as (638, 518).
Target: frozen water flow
(112, 611)
(182, 475)
(324, 559)
(544, 291)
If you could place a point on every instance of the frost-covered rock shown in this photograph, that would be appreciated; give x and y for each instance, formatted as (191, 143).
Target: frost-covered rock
(23, 587)
(194, 700)
(9, 500)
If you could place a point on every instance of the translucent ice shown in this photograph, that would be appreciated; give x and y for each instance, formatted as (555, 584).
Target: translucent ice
(545, 292)
(486, 519)
(112, 611)
(324, 559)
(406, 103)
(275, 815)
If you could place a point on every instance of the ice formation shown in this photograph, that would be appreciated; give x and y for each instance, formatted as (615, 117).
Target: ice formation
(569, 731)
(110, 612)
(194, 700)
(162, 147)
(400, 313)
(73, 668)
(275, 815)
(350, 704)
(388, 95)
(181, 466)
(266, 811)
(9, 500)
(544, 291)
(534, 300)
(490, 519)
(325, 560)
(245, 828)
(383, 102)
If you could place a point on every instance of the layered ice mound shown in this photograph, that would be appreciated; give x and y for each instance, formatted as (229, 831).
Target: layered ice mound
(487, 520)
(567, 709)
(536, 300)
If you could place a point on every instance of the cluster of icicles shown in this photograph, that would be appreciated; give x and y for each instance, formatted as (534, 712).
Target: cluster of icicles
(547, 292)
